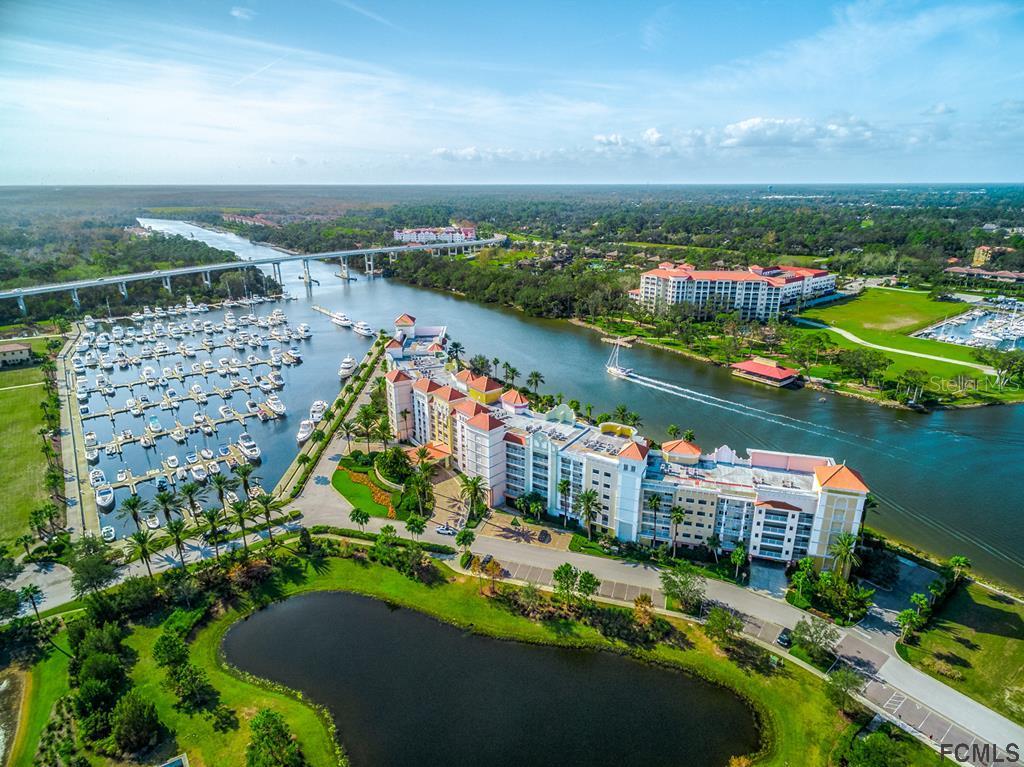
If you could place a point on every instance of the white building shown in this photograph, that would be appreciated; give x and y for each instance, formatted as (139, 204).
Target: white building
(425, 235)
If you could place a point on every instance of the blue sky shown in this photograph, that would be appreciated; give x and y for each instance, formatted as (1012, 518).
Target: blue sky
(376, 91)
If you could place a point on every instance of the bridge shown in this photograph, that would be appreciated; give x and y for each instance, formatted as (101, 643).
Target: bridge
(274, 262)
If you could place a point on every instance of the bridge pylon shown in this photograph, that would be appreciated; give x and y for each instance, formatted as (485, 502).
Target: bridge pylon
(74, 299)
(167, 283)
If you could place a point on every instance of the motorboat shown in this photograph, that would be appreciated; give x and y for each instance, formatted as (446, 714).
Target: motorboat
(110, 450)
(275, 378)
(199, 473)
(122, 475)
(303, 330)
(223, 451)
(172, 462)
(198, 417)
(206, 428)
(363, 329)
(347, 367)
(264, 384)
(213, 467)
(341, 320)
(108, 534)
(206, 453)
(181, 473)
(230, 497)
(127, 435)
(275, 404)
(146, 441)
(92, 455)
(105, 496)
(613, 368)
(90, 438)
(251, 406)
(97, 478)
(317, 410)
(152, 521)
(296, 353)
(248, 446)
(178, 435)
(192, 458)
(225, 411)
(306, 428)
(154, 424)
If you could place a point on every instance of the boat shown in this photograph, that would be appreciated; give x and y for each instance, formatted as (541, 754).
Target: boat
(347, 367)
(181, 473)
(230, 496)
(191, 458)
(92, 455)
(306, 428)
(341, 320)
(226, 411)
(613, 368)
(107, 533)
(264, 384)
(199, 473)
(178, 435)
(172, 462)
(122, 475)
(275, 378)
(152, 521)
(198, 417)
(303, 330)
(90, 438)
(223, 451)
(251, 406)
(317, 410)
(146, 441)
(110, 450)
(295, 352)
(363, 329)
(154, 424)
(97, 477)
(248, 446)
(105, 496)
(205, 453)
(275, 404)
(213, 467)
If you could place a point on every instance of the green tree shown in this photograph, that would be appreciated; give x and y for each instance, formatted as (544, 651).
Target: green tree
(213, 516)
(817, 637)
(143, 546)
(471, 491)
(240, 513)
(566, 577)
(672, 431)
(177, 529)
(534, 380)
(564, 486)
(271, 743)
(134, 722)
(738, 558)
(166, 501)
(653, 504)
(193, 493)
(244, 472)
(267, 506)
(132, 508)
(32, 594)
(684, 584)
(843, 551)
(909, 622)
(842, 684)
(415, 525)
(721, 625)
(677, 517)
(920, 602)
(588, 504)
(91, 567)
(587, 585)
(359, 517)
(465, 538)
(959, 564)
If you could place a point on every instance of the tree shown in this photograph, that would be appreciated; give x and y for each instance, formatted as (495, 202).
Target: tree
(244, 472)
(909, 622)
(455, 351)
(714, 543)
(32, 594)
(653, 504)
(672, 431)
(920, 602)
(494, 571)
(366, 419)
(170, 649)
(588, 504)
(738, 558)
(471, 491)
(534, 380)
(193, 493)
(143, 546)
(721, 625)
(416, 525)
(959, 564)
(817, 637)
(566, 576)
(271, 743)
(134, 722)
(862, 363)
(359, 517)
(841, 685)
(166, 502)
(689, 435)
(267, 506)
(348, 430)
(91, 568)
(684, 584)
(239, 512)
(643, 610)
(177, 529)
(222, 483)
(564, 486)
(465, 538)
(843, 551)
(212, 518)
(25, 541)
(586, 586)
(132, 508)
(677, 517)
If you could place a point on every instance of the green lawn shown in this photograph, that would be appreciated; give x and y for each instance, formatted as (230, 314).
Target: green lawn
(358, 495)
(980, 634)
(46, 682)
(21, 462)
(20, 376)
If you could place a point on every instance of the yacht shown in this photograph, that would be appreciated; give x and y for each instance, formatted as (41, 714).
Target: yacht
(181, 473)
(146, 441)
(122, 475)
(89, 321)
(317, 410)
(205, 453)
(90, 438)
(248, 447)
(363, 329)
(275, 404)
(303, 330)
(613, 368)
(199, 473)
(108, 534)
(341, 320)
(172, 462)
(265, 384)
(92, 455)
(306, 428)
(152, 521)
(213, 467)
(105, 496)
(347, 368)
(275, 378)
(97, 478)
(296, 353)
(251, 406)
(226, 411)
(154, 424)
(178, 435)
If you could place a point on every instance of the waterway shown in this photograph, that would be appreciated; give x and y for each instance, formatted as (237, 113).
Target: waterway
(948, 482)
(405, 689)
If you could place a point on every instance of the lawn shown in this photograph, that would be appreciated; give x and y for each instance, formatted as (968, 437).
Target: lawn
(359, 495)
(980, 633)
(45, 683)
(21, 376)
(21, 462)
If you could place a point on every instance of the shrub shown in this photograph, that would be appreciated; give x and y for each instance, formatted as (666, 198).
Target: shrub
(134, 722)
(271, 743)
(136, 597)
(170, 649)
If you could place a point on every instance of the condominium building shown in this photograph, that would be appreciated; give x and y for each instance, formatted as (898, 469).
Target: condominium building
(436, 234)
(759, 293)
(780, 506)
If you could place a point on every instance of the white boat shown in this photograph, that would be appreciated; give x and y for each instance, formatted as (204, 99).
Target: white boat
(90, 438)
(105, 497)
(613, 368)
(248, 446)
(146, 441)
(154, 424)
(92, 455)
(122, 475)
(347, 367)
(97, 478)
(275, 404)
(152, 521)
(107, 533)
(181, 473)
(341, 320)
(306, 428)
(226, 411)
(251, 406)
(199, 473)
(317, 410)
(172, 462)
(89, 321)
(363, 329)
(205, 453)
(213, 467)
(303, 330)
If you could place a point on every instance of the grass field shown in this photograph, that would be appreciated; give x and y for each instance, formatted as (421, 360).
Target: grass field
(45, 683)
(980, 634)
(358, 495)
(20, 376)
(21, 462)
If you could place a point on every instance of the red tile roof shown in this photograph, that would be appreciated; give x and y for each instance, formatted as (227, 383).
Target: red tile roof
(634, 450)
(426, 384)
(516, 439)
(393, 344)
(514, 397)
(448, 394)
(780, 505)
(681, 447)
(434, 348)
(485, 422)
(774, 372)
(470, 407)
(840, 477)
(397, 375)
(405, 319)
(483, 384)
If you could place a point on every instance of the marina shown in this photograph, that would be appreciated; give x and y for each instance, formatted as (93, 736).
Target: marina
(982, 327)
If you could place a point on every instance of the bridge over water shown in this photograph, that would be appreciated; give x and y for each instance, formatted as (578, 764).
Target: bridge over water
(274, 262)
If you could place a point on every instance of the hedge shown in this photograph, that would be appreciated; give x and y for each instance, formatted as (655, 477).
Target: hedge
(436, 548)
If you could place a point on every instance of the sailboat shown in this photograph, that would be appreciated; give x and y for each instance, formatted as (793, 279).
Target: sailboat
(612, 367)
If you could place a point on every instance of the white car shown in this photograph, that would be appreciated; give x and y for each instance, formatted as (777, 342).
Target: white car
(446, 530)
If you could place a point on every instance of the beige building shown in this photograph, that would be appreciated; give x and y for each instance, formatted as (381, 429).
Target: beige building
(14, 354)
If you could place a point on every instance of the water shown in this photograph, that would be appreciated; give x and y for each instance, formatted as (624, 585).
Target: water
(948, 482)
(405, 689)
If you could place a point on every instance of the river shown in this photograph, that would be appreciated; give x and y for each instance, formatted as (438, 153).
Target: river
(948, 482)
(405, 689)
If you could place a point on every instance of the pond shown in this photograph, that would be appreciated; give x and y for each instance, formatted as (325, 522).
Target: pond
(405, 689)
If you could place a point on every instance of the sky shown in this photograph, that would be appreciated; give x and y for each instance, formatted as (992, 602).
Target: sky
(452, 92)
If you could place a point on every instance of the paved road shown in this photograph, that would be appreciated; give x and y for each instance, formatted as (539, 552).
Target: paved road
(986, 369)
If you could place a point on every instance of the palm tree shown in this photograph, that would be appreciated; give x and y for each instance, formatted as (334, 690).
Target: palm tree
(366, 417)
(132, 507)
(177, 529)
(471, 490)
(239, 513)
(455, 350)
(511, 374)
(653, 504)
(267, 505)
(534, 380)
(465, 538)
(193, 493)
(495, 364)
(959, 564)
(415, 524)
(383, 431)
(404, 416)
(25, 541)
(713, 542)
(212, 516)
(32, 594)
(843, 551)
(422, 460)
(165, 501)
(359, 517)
(244, 473)
(221, 484)
(689, 436)
(588, 504)
(678, 516)
(143, 547)
(348, 430)
(672, 431)
(564, 486)
(620, 414)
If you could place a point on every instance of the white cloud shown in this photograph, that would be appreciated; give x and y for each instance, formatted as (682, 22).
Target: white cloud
(609, 139)
(654, 137)
(939, 109)
(241, 13)
(795, 132)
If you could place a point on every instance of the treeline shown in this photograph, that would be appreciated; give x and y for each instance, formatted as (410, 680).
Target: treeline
(570, 292)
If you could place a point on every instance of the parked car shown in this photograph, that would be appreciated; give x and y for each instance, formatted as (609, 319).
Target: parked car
(785, 638)
(446, 530)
